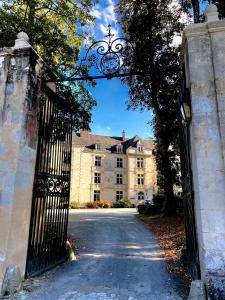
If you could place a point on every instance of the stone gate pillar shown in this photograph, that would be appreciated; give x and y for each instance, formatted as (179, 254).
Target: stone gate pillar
(205, 70)
(18, 143)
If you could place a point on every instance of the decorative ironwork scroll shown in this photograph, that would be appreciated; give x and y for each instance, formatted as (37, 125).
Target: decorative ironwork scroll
(108, 55)
(105, 57)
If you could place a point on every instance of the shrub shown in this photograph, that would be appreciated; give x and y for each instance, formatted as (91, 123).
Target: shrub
(123, 203)
(104, 203)
(74, 204)
(158, 201)
(92, 205)
(64, 205)
(148, 210)
(141, 208)
(151, 210)
(179, 203)
(99, 204)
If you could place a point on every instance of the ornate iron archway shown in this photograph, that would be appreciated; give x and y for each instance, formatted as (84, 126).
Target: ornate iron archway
(107, 57)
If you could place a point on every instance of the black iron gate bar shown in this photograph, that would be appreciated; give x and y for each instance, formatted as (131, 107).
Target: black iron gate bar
(192, 253)
(97, 77)
(49, 216)
(108, 76)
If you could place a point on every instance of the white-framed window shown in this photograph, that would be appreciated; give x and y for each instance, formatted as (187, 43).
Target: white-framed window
(98, 161)
(119, 195)
(119, 179)
(97, 177)
(119, 149)
(140, 148)
(96, 195)
(97, 146)
(140, 162)
(119, 162)
(140, 179)
(141, 196)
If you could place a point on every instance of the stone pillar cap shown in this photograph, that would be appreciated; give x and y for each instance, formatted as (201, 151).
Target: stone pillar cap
(211, 13)
(22, 41)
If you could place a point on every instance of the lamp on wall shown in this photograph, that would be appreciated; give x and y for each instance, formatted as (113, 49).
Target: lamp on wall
(185, 105)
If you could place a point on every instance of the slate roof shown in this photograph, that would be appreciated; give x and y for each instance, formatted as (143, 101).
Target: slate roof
(110, 143)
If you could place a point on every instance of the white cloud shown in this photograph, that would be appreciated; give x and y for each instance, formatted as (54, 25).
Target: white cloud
(96, 13)
(103, 28)
(106, 14)
(109, 15)
(108, 128)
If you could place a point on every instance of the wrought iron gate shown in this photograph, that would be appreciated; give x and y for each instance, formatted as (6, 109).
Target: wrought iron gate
(192, 255)
(49, 215)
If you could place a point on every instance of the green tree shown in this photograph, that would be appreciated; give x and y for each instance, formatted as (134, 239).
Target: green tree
(54, 29)
(150, 25)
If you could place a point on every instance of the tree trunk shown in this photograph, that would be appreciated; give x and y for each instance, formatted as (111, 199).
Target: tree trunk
(196, 10)
(166, 168)
(32, 5)
(170, 206)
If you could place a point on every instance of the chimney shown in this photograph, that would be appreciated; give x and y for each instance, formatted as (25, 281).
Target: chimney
(84, 133)
(123, 136)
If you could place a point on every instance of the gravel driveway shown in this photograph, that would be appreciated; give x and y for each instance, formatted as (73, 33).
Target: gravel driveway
(119, 259)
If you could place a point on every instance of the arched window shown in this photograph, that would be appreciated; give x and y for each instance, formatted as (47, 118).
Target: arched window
(141, 196)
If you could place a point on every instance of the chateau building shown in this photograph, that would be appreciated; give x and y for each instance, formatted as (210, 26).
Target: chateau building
(111, 168)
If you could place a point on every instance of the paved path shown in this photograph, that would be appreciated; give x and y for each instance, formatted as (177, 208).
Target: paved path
(119, 260)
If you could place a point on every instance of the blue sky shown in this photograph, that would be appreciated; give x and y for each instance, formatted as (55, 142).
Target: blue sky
(111, 117)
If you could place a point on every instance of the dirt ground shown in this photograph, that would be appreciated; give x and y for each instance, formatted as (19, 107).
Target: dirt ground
(170, 232)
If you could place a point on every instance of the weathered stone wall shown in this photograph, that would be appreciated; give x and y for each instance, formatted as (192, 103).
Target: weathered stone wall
(205, 68)
(18, 142)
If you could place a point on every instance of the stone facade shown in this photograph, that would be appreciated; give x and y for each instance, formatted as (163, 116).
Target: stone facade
(18, 141)
(205, 69)
(126, 166)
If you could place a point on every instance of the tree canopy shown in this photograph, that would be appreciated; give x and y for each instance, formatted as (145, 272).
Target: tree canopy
(56, 30)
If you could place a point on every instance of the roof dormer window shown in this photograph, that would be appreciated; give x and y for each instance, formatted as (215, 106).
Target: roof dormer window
(119, 149)
(140, 148)
(97, 146)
